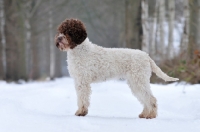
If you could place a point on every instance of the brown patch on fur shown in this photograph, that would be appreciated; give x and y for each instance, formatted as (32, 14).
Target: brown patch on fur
(74, 30)
(71, 43)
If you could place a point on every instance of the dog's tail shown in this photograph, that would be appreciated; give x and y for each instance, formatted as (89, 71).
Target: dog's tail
(160, 73)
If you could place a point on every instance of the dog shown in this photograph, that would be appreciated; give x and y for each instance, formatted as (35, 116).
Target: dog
(89, 63)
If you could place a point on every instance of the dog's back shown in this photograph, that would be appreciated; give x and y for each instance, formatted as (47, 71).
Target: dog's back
(99, 64)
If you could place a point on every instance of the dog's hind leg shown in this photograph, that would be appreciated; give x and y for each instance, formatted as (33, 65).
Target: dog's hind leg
(83, 96)
(140, 87)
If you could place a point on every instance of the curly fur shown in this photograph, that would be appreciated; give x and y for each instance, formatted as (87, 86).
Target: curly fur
(74, 30)
(89, 63)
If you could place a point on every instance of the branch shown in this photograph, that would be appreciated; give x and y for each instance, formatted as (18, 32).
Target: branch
(38, 2)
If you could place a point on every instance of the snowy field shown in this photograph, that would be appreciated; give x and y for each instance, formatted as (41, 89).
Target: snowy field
(50, 107)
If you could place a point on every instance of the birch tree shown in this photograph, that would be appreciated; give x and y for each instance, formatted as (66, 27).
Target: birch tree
(52, 47)
(133, 29)
(28, 8)
(170, 47)
(161, 44)
(152, 33)
(185, 35)
(145, 26)
(3, 38)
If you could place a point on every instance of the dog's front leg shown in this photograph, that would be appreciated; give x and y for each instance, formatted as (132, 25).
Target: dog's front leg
(83, 91)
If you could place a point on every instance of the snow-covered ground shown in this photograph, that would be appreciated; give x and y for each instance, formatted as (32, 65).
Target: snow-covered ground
(50, 107)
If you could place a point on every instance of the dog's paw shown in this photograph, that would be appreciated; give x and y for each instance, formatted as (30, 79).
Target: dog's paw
(150, 116)
(81, 112)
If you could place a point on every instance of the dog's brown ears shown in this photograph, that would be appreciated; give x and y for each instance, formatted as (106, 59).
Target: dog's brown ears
(73, 28)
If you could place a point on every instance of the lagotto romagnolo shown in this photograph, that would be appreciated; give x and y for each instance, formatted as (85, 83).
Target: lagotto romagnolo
(89, 63)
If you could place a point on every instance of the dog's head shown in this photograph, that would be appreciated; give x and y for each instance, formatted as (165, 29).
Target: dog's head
(71, 33)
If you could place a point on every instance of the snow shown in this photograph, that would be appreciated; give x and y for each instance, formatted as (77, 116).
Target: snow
(50, 106)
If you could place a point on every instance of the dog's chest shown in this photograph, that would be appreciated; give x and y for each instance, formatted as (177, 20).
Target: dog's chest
(78, 64)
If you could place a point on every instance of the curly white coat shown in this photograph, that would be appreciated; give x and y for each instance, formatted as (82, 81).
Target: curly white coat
(88, 63)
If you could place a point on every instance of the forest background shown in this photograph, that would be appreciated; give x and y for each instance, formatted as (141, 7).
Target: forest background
(168, 30)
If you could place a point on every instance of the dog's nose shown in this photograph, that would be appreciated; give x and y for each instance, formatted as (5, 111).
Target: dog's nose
(60, 38)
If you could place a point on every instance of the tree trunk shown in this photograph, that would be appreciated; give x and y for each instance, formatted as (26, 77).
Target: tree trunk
(152, 33)
(198, 27)
(161, 45)
(193, 32)
(3, 38)
(29, 8)
(133, 29)
(185, 36)
(52, 47)
(145, 26)
(28, 47)
(170, 48)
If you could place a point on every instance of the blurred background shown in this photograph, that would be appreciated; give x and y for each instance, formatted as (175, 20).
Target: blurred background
(169, 30)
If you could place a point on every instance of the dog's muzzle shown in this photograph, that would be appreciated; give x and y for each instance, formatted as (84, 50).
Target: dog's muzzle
(58, 41)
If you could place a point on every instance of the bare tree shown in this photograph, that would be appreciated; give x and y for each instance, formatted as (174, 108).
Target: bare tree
(198, 26)
(145, 26)
(133, 29)
(161, 28)
(185, 35)
(170, 47)
(152, 33)
(3, 38)
(193, 23)
(28, 8)
(52, 50)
